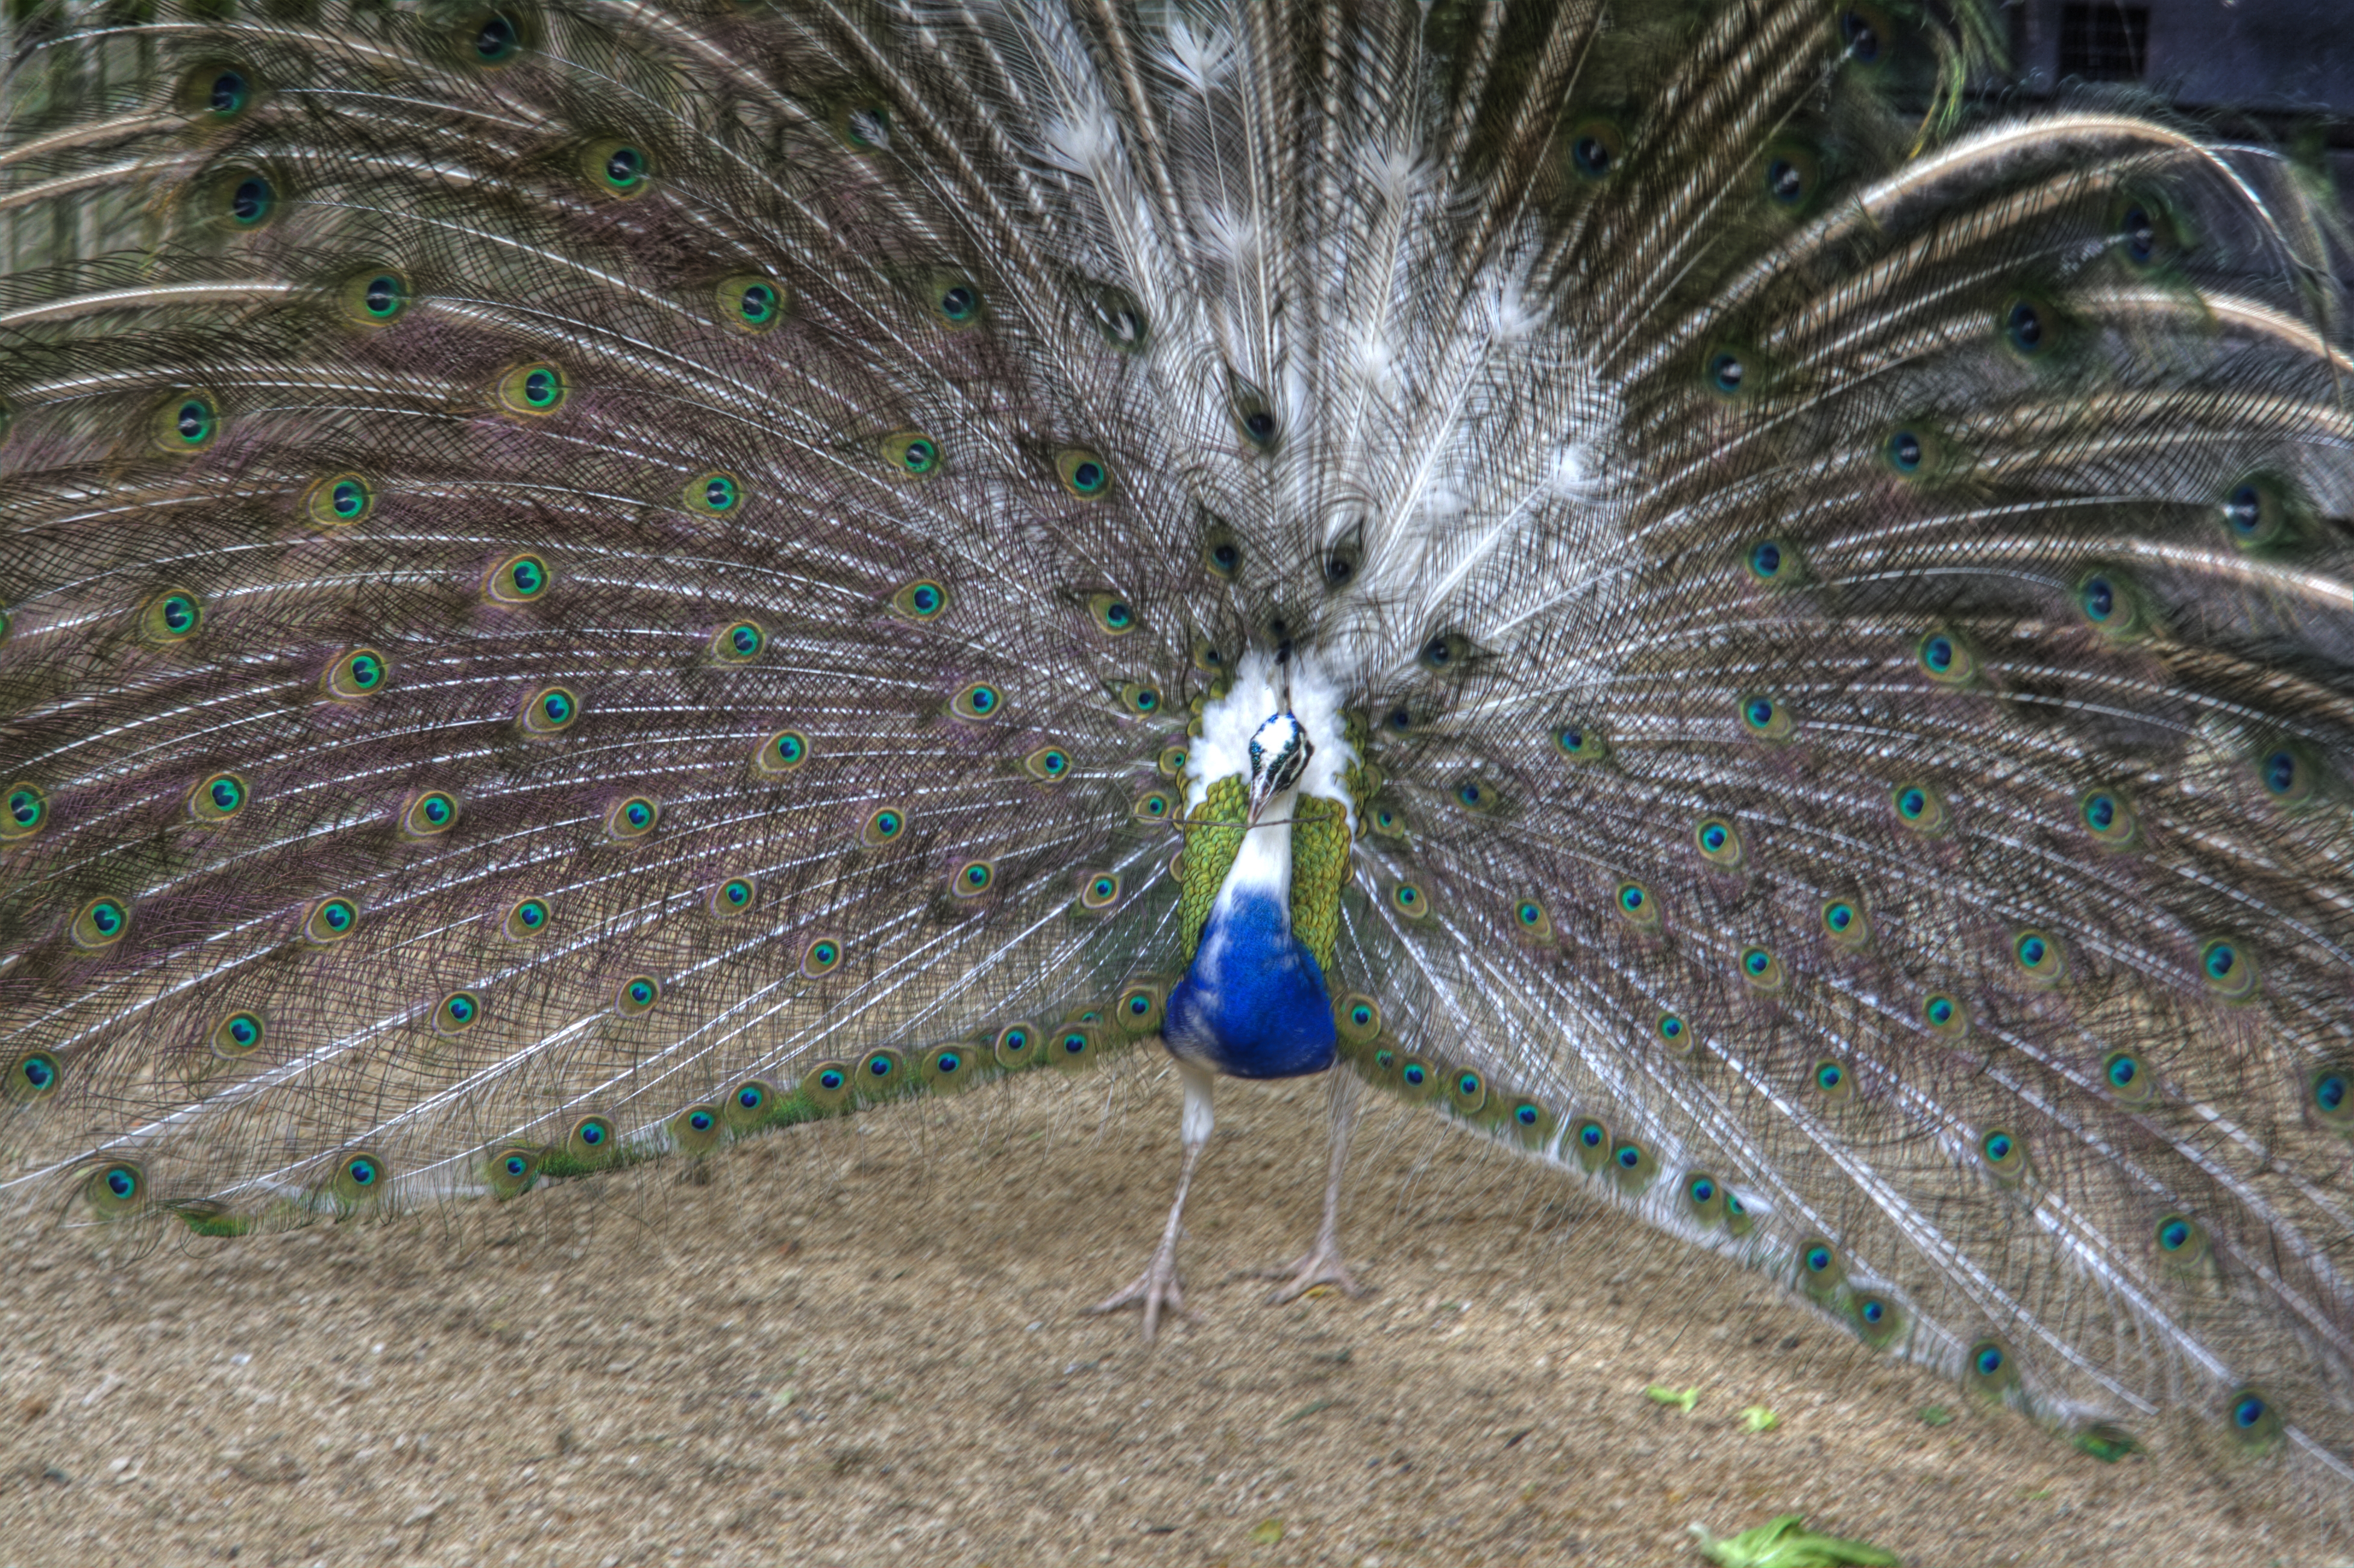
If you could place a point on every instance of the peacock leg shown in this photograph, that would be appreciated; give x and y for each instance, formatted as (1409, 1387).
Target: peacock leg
(1158, 1287)
(1323, 1264)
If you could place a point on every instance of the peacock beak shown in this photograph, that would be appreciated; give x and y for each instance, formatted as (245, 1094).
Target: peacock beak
(1262, 791)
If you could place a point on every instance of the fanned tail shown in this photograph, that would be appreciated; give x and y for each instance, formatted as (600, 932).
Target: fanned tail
(571, 566)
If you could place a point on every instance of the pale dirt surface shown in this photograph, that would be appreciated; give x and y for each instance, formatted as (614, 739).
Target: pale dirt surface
(862, 1343)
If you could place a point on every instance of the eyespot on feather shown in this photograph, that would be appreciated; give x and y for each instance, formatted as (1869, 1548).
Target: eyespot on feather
(732, 898)
(330, 920)
(526, 920)
(1765, 717)
(25, 813)
(428, 814)
(695, 1130)
(636, 996)
(748, 1104)
(781, 752)
(240, 198)
(216, 797)
(31, 1075)
(375, 297)
(339, 500)
(749, 302)
(187, 422)
(978, 703)
(173, 616)
(548, 712)
(1594, 149)
(215, 94)
(115, 1189)
(488, 38)
(714, 494)
(359, 672)
(616, 168)
(510, 1172)
(632, 817)
(956, 303)
(533, 391)
(458, 1013)
(99, 924)
(738, 642)
(1083, 474)
(1920, 808)
(921, 601)
(359, 1177)
(238, 1035)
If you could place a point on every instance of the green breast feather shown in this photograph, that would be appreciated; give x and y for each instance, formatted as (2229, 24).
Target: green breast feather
(1319, 865)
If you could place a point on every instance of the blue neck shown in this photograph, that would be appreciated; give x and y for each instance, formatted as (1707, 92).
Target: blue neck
(1253, 1006)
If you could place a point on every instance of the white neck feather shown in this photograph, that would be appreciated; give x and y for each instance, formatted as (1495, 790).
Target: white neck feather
(1264, 863)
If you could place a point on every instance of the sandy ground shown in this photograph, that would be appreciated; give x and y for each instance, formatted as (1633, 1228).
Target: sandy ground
(863, 1343)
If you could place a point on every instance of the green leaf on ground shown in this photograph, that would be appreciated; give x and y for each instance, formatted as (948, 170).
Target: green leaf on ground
(1785, 1543)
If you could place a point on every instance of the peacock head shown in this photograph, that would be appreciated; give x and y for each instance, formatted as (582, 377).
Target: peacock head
(1279, 756)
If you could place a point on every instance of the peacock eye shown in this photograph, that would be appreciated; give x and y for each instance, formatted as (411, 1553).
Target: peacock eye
(749, 302)
(2024, 328)
(1860, 33)
(1084, 474)
(548, 712)
(27, 814)
(632, 818)
(228, 94)
(535, 390)
(624, 168)
(496, 40)
(2139, 232)
(1596, 148)
(251, 200)
(459, 1011)
(979, 700)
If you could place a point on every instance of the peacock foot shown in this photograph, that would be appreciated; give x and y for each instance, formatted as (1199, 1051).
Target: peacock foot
(1158, 1289)
(1319, 1265)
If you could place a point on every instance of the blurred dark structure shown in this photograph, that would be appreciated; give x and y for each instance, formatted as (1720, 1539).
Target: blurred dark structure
(2276, 70)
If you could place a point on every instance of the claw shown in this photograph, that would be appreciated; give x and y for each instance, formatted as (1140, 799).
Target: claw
(1158, 1288)
(1320, 1265)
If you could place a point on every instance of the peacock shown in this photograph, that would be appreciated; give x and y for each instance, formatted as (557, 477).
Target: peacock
(1682, 583)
